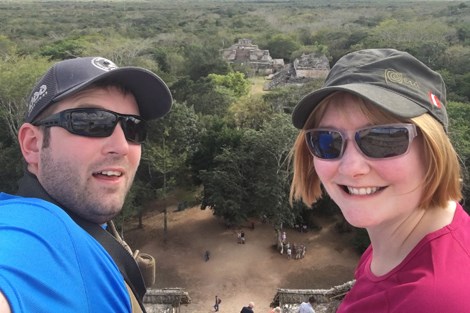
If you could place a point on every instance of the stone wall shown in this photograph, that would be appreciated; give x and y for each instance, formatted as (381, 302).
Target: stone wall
(328, 300)
(166, 300)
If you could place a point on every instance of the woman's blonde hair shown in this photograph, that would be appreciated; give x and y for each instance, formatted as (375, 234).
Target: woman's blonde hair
(442, 181)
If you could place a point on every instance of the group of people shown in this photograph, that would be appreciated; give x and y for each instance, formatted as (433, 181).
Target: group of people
(295, 251)
(374, 138)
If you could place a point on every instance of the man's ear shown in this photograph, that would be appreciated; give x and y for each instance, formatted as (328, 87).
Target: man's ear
(30, 140)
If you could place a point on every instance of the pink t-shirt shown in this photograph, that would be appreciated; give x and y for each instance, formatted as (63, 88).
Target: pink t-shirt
(433, 278)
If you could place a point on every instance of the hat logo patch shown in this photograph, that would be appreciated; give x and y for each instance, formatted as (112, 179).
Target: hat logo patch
(38, 95)
(392, 76)
(103, 64)
(435, 100)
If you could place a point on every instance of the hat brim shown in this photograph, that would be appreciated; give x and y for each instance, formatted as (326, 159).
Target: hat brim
(387, 100)
(151, 93)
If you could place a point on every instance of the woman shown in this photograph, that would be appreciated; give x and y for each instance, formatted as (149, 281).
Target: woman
(375, 139)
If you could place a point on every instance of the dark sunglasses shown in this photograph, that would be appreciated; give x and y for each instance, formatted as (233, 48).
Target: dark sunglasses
(94, 122)
(374, 142)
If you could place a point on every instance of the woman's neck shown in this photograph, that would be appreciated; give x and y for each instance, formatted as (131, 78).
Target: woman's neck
(392, 243)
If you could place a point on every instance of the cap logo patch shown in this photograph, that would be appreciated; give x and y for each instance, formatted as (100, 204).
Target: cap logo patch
(435, 100)
(38, 95)
(103, 64)
(392, 76)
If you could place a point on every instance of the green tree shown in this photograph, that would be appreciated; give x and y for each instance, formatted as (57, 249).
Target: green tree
(202, 61)
(252, 179)
(282, 46)
(164, 160)
(459, 115)
(7, 47)
(18, 74)
(216, 136)
(269, 182)
(64, 49)
(250, 112)
(207, 99)
(284, 99)
(426, 40)
(233, 81)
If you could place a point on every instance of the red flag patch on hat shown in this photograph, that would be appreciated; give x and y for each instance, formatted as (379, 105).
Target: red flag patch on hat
(435, 100)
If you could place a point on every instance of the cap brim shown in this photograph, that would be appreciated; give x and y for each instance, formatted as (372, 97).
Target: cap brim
(151, 93)
(384, 98)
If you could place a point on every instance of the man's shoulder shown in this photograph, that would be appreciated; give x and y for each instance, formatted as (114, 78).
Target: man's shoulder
(33, 215)
(18, 206)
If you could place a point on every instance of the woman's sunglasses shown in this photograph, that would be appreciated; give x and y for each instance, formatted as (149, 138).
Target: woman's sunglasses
(374, 142)
(94, 122)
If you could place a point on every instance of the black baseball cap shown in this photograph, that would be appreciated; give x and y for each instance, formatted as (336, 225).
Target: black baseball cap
(68, 77)
(393, 80)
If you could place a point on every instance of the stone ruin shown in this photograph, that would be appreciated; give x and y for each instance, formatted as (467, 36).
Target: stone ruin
(167, 300)
(328, 300)
(302, 70)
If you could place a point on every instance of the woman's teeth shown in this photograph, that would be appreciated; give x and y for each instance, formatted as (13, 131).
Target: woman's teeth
(362, 191)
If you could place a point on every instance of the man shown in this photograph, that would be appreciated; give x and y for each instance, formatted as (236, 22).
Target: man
(81, 142)
(217, 304)
(307, 307)
(248, 309)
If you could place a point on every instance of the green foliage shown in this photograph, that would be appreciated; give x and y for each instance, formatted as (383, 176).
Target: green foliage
(216, 137)
(455, 59)
(252, 179)
(250, 112)
(459, 132)
(204, 95)
(172, 140)
(210, 100)
(202, 61)
(463, 86)
(284, 99)
(282, 46)
(63, 49)
(233, 81)
(17, 76)
(7, 47)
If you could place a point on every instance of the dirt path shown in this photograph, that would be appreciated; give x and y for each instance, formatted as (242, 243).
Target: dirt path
(238, 273)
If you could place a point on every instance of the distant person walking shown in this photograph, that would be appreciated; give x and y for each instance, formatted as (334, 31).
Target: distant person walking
(217, 303)
(248, 309)
(284, 237)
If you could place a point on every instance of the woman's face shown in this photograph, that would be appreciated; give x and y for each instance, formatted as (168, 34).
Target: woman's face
(370, 192)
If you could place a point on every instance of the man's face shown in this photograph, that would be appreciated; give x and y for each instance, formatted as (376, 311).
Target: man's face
(91, 176)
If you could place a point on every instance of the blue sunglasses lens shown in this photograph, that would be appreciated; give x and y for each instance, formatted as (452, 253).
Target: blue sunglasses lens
(377, 142)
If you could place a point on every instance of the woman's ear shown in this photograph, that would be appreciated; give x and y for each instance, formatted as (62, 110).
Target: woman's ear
(30, 141)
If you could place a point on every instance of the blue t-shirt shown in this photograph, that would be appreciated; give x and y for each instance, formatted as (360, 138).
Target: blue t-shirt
(50, 264)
